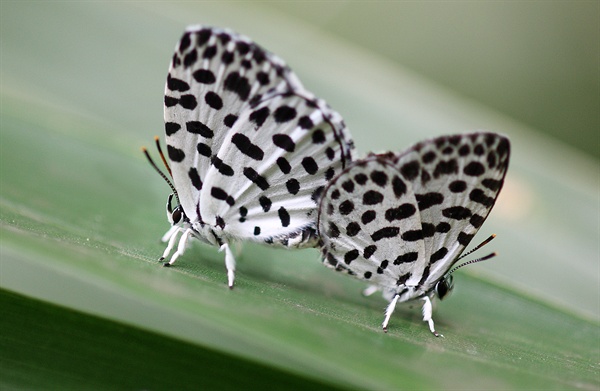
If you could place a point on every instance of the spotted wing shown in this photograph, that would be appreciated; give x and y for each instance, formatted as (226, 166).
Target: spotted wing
(265, 180)
(213, 77)
(370, 225)
(456, 180)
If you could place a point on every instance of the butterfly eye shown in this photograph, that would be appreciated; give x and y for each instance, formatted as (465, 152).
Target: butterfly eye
(177, 214)
(444, 287)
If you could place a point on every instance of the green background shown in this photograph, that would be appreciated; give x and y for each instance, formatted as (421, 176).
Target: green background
(81, 211)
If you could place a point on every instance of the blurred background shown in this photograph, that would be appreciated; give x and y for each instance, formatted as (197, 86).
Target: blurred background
(81, 89)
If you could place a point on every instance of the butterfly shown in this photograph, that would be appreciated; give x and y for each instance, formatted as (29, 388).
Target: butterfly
(401, 221)
(250, 149)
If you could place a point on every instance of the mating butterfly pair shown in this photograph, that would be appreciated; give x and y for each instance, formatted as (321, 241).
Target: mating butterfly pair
(255, 156)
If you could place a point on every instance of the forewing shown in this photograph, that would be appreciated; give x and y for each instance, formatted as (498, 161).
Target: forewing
(456, 180)
(213, 77)
(275, 161)
(370, 225)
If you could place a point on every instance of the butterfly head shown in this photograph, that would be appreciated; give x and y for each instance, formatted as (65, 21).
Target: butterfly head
(444, 287)
(175, 215)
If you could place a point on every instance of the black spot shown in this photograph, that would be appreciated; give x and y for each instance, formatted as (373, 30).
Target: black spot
(256, 231)
(474, 169)
(503, 147)
(204, 76)
(284, 216)
(318, 137)
(429, 157)
(439, 254)
(259, 116)
(203, 36)
(265, 203)
(229, 120)
(204, 149)
(242, 47)
(372, 197)
(477, 195)
(223, 168)
(428, 200)
(185, 42)
(425, 275)
(306, 123)
(227, 57)
(399, 186)
(367, 275)
(246, 64)
(258, 180)
(403, 278)
(329, 173)
(243, 211)
(464, 150)
(316, 194)
(284, 165)
(310, 165)
(170, 101)
(176, 155)
(425, 177)
(445, 167)
(476, 220)
(219, 222)
(428, 230)
(387, 232)
(413, 235)
(330, 153)
(411, 170)
(369, 250)
(447, 151)
(479, 150)
(361, 179)
(243, 143)
(209, 52)
(406, 258)
(457, 213)
(333, 231)
(188, 102)
(402, 212)
(213, 100)
(492, 184)
(457, 186)
(382, 266)
(346, 207)
(174, 84)
(238, 84)
(284, 142)
(352, 229)
(195, 178)
(368, 216)
(284, 114)
(172, 128)
(222, 195)
(293, 186)
(330, 209)
(464, 238)
(348, 186)
(197, 127)
(263, 78)
(335, 194)
(379, 177)
(491, 159)
(443, 227)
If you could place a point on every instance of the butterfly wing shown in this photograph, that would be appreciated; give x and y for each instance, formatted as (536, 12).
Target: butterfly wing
(213, 77)
(456, 180)
(275, 167)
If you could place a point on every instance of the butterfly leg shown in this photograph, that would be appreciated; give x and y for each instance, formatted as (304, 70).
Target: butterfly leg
(427, 313)
(171, 236)
(368, 291)
(229, 264)
(389, 311)
(185, 236)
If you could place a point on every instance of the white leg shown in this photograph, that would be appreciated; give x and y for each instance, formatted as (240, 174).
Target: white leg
(427, 313)
(180, 247)
(169, 233)
(229, 264)
(172, 238)
(389, 311)
(368, 291)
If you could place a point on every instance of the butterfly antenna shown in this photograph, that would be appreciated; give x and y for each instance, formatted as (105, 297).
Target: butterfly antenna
(480, 245)
(159, 171)
(162, 155)
(472, 261)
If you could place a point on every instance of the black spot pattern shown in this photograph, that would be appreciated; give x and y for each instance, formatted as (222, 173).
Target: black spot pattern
(238, 85)
(352, 229)
(401, 212)
(204, 76)
(284, 216)
(284, 114)
(406, 258)
(171, 128)
(222, 195)
(439, 254)
(284, 142)
(265, 203)
(411, 170)
(372, 197)
(222, 167)
(346, 207)
(348, 186)
(195, 178)
(243, 143)
(428, 200)
(368, 216)
(474, 169)
(259, 116)
(293, 186)
(457, 186)
(204, 149)
(213, 100)
(257, 179)
(387, 232)
(284, 165)
(457, 213)
(176, 155)
(369, 250)
(379, 177)
(310, 165)
(197, 127)
(350, 256)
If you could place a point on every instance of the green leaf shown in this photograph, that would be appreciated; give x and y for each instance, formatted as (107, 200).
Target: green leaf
(81, 213)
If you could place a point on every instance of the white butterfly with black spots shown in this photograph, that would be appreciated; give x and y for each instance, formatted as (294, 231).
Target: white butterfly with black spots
(250, 148)
(401, 221)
